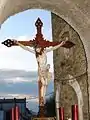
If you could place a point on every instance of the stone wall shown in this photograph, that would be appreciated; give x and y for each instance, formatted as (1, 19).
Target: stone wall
(70, 62)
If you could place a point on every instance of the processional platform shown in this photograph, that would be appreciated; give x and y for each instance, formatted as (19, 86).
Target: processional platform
(44, 118)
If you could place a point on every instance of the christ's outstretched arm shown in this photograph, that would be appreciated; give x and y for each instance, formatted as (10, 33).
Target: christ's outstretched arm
(24, 47)
(55, 47)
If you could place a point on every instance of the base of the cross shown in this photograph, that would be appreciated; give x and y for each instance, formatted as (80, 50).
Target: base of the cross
(41, 112)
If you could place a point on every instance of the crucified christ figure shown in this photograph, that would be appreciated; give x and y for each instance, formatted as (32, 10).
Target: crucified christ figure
(43, 68)
(40, 47)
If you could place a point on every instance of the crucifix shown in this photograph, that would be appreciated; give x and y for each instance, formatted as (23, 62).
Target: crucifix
(40, 48)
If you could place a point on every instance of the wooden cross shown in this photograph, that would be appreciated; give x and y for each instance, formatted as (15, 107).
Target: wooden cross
(40, 42)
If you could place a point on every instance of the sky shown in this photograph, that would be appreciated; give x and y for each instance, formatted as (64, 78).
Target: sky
(22, 27)
(18, 68)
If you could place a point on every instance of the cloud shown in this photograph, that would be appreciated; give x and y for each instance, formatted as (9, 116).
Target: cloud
(35, 100)
(29, 98)
(18, 80)
(17, 76)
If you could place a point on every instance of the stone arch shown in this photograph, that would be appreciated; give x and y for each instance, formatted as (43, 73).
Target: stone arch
(78, 91)
(76, 87)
